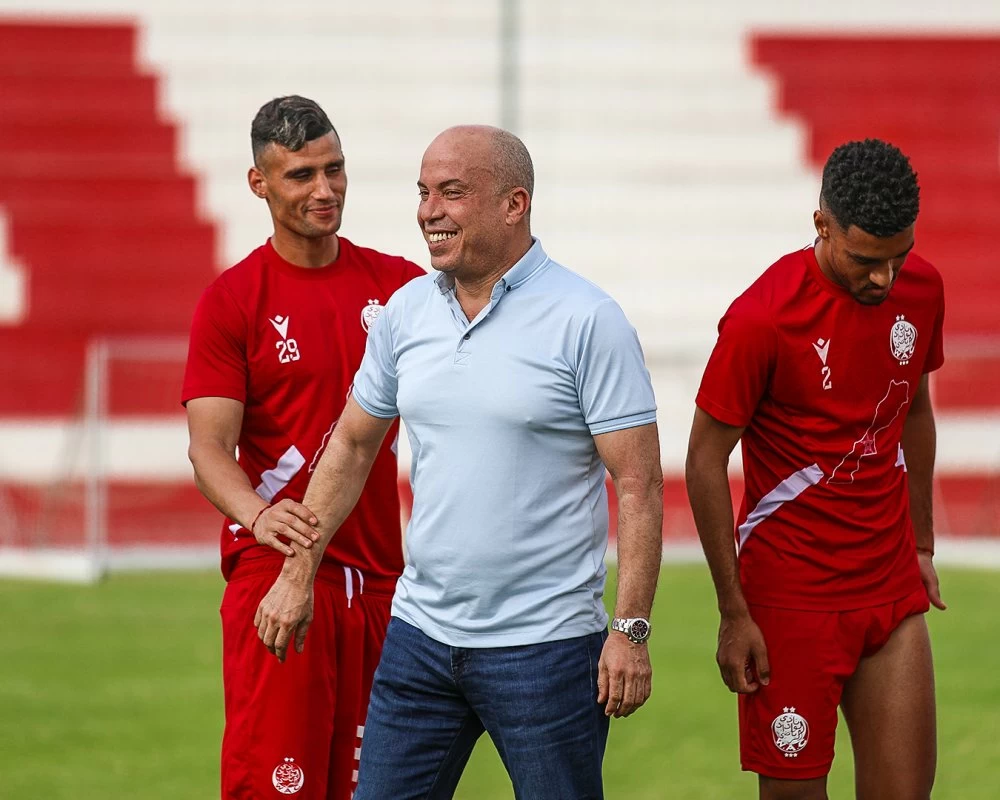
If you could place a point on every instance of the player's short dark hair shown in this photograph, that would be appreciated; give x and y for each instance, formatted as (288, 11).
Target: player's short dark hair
(872, 185)
(290, 122)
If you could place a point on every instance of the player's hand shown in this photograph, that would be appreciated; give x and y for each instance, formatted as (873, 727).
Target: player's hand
(285, 611)
(289, 519)
(742, 655)
(624, 675)
(929, 576)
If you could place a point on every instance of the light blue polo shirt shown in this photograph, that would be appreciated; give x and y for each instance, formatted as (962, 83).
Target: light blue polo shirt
(509, 528)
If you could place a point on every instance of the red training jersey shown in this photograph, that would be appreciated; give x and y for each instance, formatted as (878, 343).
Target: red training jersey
(286, 342)
(822, 385)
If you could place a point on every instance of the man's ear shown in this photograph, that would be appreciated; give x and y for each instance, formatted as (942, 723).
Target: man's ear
(822, 222)
(518, 204)
(257, 181)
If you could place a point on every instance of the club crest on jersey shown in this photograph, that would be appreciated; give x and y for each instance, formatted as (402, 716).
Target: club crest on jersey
(903, 340)
(790, 731)
(288, 349)
(370, 313)
(288, 777)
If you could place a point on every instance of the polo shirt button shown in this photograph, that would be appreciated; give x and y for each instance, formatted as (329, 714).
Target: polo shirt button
(509, 288)
(467, 336)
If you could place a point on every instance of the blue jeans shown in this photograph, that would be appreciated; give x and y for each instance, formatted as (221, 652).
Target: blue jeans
(431, 702)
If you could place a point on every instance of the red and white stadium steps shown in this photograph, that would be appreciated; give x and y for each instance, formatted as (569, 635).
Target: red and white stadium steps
(105, 223)
(100, 214)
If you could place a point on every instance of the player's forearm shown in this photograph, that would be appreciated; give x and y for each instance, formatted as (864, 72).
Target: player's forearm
(640, 544)
(708, 493)
(919, 449)
(222, 481)
(332, 494)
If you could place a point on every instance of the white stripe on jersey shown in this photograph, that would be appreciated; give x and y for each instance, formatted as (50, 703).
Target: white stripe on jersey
(790, 488)
(274, 480)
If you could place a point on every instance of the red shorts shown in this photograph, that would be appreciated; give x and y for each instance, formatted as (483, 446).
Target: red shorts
(296, 728)
(788, 728)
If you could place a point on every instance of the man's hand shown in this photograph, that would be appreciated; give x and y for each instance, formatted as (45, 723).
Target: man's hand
(929, 576)
(289, 519)
(624, 675)
(742, 655)
(286, 610)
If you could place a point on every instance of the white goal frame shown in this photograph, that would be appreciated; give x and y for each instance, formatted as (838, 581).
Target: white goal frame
(95, 558)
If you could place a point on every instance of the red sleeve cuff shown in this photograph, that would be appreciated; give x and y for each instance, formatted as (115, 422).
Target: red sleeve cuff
(192, 392)
(724, 415)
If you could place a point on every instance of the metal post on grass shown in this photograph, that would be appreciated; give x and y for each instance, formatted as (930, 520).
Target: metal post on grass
(95, 466)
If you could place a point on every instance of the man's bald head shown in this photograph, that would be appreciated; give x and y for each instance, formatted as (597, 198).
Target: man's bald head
(495, 149)
(475, 201)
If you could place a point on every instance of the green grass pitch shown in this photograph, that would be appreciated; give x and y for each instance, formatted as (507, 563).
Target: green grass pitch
(114, 691)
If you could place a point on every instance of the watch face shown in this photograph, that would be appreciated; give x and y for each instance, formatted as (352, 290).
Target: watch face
(639, 630)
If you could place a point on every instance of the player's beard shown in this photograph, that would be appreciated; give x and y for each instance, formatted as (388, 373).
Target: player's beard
(862, 295)
(865, 297)
(870, 300)
(310, 230)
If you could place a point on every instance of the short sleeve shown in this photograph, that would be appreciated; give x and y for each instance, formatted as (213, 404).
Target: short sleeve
(217, 361)
(935, 352)
(740, 367)
(612, 380)
(375, 383)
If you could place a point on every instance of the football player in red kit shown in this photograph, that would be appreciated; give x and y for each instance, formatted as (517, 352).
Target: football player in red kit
(275, 343)
(821, 370)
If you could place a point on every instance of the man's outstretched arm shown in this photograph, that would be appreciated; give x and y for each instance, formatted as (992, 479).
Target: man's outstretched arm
(919, 449)
(741, 643)
(333, 491)
(632, 457)
(214, 425)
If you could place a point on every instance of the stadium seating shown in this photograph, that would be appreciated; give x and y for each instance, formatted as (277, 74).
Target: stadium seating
(677, 149)
(938, 98)
(96, 207)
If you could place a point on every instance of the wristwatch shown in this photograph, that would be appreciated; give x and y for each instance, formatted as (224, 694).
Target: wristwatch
(636, 629)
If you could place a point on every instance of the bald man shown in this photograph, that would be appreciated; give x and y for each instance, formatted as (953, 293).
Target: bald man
(519, 383)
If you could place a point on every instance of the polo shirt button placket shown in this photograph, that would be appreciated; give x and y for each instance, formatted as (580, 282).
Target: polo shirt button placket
(461, 354)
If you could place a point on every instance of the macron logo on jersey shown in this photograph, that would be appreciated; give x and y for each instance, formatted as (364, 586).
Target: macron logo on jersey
(288, 349)
(822, 349)
(280, 324)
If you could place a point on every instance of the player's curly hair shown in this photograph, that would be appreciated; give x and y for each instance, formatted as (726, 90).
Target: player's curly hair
(872, 185)
(289, 121)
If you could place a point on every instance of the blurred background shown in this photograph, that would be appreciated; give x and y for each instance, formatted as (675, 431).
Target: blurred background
(677, 148)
